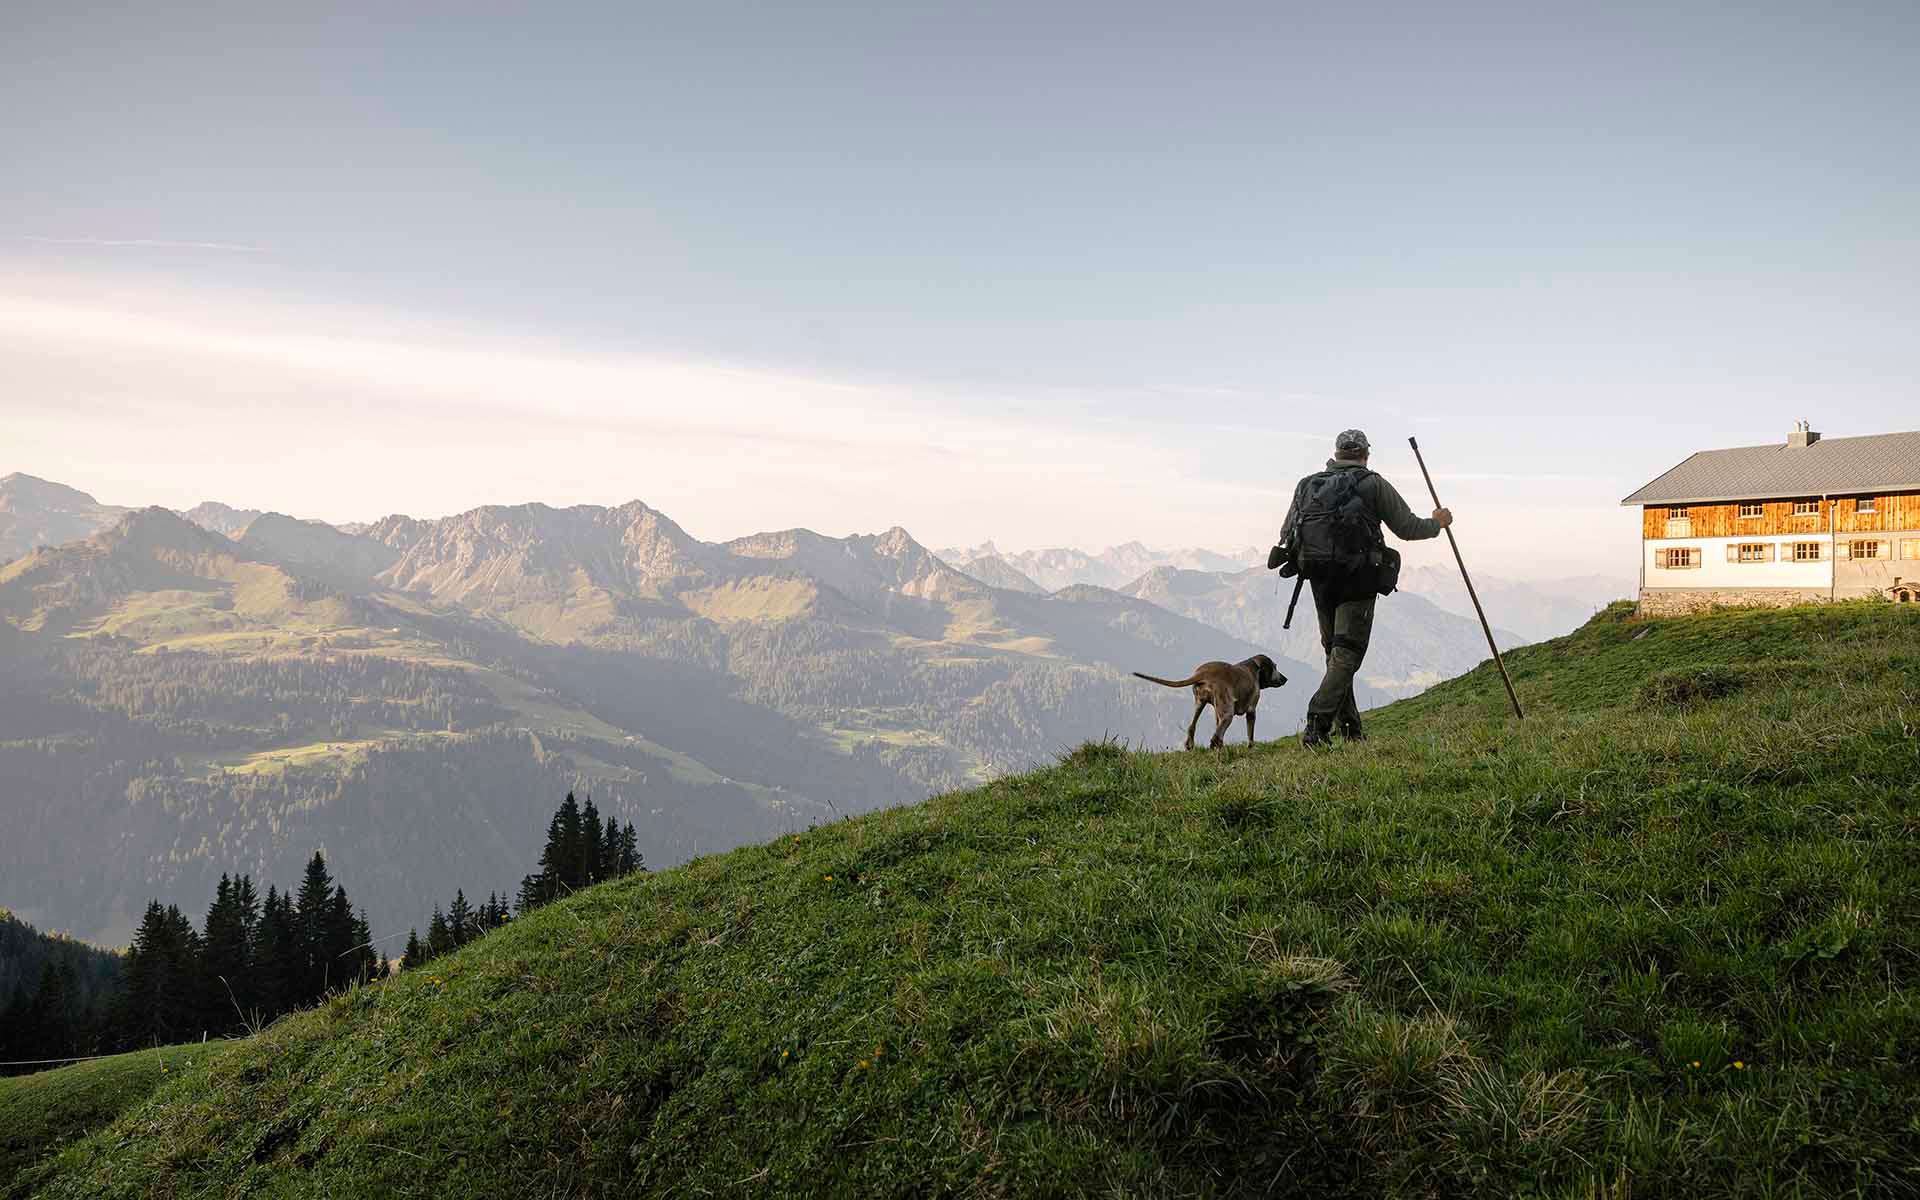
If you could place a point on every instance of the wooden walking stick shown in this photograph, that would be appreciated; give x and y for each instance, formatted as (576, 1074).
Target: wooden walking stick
(1471, 594)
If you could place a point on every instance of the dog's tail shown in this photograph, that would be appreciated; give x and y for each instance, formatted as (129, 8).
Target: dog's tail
(1187, 682)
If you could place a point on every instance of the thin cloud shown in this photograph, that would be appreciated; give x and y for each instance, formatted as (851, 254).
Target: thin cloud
(147, 243)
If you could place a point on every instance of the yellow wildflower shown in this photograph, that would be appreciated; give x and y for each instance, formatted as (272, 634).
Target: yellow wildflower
(1738, 1065)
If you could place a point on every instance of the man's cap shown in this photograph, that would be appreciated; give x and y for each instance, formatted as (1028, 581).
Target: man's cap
(1351, 442)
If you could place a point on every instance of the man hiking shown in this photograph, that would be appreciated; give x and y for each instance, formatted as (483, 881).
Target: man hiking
(1332, 539)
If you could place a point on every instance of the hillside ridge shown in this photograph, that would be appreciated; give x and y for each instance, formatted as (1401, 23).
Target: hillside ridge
(1657, 939)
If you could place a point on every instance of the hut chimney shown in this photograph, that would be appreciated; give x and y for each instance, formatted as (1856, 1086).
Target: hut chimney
(1802, 436)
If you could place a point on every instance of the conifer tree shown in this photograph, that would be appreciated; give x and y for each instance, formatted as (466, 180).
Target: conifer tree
(566, 869)
(226, 958)
(277, 963)
(164, 1000)
(630, 859)
(533, 892)
(342, 953)
(246, 903)
(313, 918)
(439, 936)
(610, 851)
(590, 847)
(579, 851)
(415, 953)
(544, 884)
(367, 961)
(460, 923)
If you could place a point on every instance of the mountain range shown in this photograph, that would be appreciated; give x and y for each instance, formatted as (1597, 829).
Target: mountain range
(1115, 567)
(1519, 610)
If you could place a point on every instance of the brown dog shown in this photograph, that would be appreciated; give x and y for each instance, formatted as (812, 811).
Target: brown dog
(1232, 688)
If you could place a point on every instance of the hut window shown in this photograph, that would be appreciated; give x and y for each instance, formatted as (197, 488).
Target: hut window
(1677, 512)
(1752, 552)
(1910, 549)
(1866, 549)
(1680, 558)
(1864, 504)
(1806, 552)
(1806, 508)
(1752, 512)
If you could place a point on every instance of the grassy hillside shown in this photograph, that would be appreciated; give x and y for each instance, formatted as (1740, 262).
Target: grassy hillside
(40, 1112)
(1658, 940)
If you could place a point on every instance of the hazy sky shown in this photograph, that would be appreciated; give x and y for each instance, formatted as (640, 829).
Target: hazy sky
(1045, 273)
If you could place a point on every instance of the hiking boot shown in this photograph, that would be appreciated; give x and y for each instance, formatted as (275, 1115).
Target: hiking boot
(1318, 735)
(1350, 731)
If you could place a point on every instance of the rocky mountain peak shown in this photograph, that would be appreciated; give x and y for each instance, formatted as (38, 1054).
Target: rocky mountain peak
(221, 518)
(21, 488)
(157, 529)
(898, 543)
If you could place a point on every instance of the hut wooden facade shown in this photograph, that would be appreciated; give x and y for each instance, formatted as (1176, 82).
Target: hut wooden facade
(1813, 519)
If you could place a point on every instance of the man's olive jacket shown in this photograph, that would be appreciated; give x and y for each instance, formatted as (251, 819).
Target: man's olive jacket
(1383, 502)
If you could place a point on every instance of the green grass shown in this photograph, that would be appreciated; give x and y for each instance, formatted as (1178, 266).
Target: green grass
(1657, 940)
(38, 1113)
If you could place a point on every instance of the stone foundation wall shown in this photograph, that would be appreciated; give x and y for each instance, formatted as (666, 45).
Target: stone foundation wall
(1673, 602)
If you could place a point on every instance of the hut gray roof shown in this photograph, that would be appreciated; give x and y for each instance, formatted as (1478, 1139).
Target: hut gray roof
(1883, 462)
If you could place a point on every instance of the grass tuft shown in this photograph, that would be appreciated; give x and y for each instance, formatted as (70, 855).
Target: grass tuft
(1691, 685)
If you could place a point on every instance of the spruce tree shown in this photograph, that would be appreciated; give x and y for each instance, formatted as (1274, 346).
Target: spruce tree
(145, 973)
(313, 917)
(630, 859)
(566, 871)
(610, 851)
(439, 936)
(590, 846)
(544, 884)
(187, 1016)
(415, 953)
(164, 1001)
(343, 957)
(367, 962)
(226, 958)
(279, 970)
(246, 903)
(460, 922)
(533, 892)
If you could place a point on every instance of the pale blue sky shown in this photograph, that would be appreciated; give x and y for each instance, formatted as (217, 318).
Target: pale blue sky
(1072, 270)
